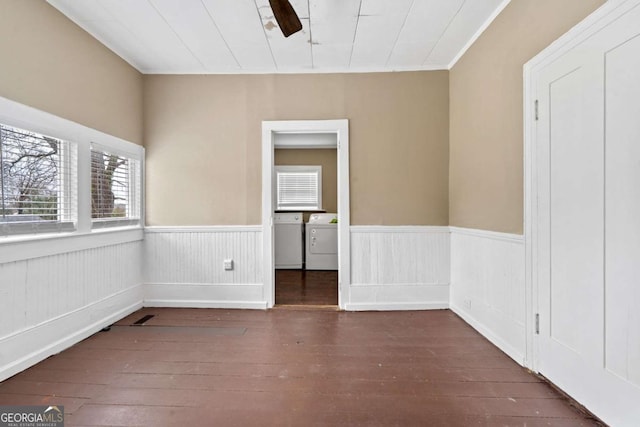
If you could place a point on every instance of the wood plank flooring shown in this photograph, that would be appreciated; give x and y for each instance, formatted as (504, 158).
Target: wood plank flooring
(290, 368)
(302, 287)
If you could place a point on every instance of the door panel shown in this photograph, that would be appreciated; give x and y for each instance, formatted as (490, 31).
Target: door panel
(572, 245)
(622, 292)
(576, 211)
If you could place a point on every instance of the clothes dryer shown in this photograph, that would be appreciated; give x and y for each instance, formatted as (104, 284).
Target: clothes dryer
(322, 242)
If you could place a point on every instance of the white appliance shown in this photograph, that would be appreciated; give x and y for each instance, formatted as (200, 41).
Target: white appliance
(322, 242)
(289, 251)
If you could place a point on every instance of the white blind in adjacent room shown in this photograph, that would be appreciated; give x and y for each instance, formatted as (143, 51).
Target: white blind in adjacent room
(299, 187)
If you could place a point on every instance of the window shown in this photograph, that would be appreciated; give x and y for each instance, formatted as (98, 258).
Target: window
(299, 188)
(54, 179)
(115, 188)
(37, 182)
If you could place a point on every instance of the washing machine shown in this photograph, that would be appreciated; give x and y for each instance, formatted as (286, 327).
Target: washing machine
(288, 236)
(322, 242)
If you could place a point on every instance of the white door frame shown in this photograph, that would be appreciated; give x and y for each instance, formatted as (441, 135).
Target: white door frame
(593, 23)
(341, 129)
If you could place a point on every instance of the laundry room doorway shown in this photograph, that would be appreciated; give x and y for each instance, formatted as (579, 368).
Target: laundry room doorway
(305, 212)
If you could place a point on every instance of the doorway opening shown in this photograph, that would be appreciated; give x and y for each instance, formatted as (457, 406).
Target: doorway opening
(305, 187)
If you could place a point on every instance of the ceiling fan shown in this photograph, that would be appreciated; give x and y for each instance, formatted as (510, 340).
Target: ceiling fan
(286, 17)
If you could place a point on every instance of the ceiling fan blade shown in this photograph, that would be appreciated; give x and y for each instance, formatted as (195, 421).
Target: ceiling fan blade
(286, 17)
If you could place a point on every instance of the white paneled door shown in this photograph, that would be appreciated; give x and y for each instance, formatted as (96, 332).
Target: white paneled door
(587, 251)
(571, 206)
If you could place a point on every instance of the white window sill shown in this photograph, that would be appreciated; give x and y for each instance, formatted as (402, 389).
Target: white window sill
(300, 210)
(110, 223)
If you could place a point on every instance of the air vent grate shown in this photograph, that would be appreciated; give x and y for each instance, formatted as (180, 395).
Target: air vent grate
(143, 320)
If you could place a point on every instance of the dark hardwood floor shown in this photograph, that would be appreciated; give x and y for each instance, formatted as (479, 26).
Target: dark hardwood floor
(301, 287)
(205, 367)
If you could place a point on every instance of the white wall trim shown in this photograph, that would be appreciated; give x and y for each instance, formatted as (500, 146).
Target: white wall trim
(203, 229)
(398, 306)
(495, 235)
(436, 229)
(42, 246)
(530, 233)
(399, 229)
(597, 20)
(331, 70)
(64, 330)
(478, 33)
(65, 315)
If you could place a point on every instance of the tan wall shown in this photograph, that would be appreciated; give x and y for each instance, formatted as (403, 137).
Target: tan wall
(50, 63)
(326, 158)
(486, 131)
(203, 140)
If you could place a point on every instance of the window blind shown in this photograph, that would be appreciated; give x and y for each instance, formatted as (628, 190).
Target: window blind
(298, 187)
(37, 182)
(115, 188)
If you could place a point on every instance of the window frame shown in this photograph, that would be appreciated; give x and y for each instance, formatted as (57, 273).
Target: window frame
(66, 194)
(311, 169)
(134, 189)
(14, 114)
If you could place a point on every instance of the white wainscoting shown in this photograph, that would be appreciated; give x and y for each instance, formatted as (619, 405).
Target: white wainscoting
(399, 268)
(184, 267)
(50, 303)
(488, 286)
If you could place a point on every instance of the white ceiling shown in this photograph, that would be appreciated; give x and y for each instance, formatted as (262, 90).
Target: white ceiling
(241, 36)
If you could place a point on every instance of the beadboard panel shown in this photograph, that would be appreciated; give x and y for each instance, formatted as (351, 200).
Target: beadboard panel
(184, 267)
(49, 303)
(488, 286)
(399, 268)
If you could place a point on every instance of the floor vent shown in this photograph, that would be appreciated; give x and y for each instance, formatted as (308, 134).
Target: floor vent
(143, 320)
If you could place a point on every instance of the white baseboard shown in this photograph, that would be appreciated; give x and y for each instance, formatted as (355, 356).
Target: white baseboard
(395, 229)
(495, 339)
(25, 348)
(205, 295)
(487, 234)
(398, 306)
(251, 305)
